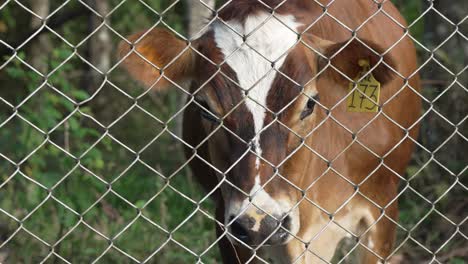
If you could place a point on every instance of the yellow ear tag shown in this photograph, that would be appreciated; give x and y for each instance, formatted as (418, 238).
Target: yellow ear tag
(365, 96)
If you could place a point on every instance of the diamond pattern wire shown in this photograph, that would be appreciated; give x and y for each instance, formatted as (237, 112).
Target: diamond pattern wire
(167, 194)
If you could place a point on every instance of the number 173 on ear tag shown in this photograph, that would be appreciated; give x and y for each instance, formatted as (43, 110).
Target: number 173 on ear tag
(364, 95)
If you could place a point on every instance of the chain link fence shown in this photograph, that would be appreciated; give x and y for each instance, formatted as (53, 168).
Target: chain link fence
(93, 167)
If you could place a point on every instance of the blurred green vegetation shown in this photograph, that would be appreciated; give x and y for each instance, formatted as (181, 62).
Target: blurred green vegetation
(67, 204)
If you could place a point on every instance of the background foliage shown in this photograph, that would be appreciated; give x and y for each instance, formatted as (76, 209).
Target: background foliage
(77, 212)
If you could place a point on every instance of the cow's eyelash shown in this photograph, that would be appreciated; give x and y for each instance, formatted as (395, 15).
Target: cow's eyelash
(207, 113)
(309, 109)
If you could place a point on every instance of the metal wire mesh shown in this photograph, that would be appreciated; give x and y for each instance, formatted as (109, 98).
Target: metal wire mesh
(109, 201)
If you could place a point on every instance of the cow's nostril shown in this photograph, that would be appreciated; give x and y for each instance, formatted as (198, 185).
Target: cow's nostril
(239, 231)
(286, 223)
(282, 231)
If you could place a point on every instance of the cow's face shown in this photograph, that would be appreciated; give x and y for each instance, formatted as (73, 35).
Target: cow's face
(254, 85)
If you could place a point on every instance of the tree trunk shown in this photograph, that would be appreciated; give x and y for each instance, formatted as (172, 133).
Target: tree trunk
(98, 52)
(101, 46)
(200, 13)
(40, 49)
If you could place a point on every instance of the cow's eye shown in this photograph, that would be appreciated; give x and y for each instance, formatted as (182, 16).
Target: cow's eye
(207, 114)
(309, 109)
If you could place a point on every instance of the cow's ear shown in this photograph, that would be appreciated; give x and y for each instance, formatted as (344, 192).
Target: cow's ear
(157, 57)
(345, 57)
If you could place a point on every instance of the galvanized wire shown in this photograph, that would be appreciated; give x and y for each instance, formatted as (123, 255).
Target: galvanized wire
(191, 100)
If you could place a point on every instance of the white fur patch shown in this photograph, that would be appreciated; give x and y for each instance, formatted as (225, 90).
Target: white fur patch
(325, 235)
(268, 206)
(261, 199)
(267, 41)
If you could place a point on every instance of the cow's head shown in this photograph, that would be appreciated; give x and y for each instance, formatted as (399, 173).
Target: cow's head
(254, 84)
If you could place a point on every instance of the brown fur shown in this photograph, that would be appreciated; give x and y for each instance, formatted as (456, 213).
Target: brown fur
(345, 57)
(356, 157)
(154, 52)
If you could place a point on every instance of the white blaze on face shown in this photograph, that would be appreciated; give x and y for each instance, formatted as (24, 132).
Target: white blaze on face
(267, 42)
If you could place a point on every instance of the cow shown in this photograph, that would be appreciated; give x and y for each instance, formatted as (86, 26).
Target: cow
(267, 126)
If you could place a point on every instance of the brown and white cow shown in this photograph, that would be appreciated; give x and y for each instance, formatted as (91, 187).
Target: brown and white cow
(291, 170)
